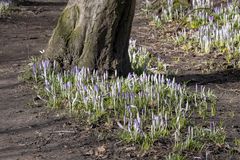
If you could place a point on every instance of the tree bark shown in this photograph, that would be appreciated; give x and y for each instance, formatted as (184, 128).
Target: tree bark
(93, 34)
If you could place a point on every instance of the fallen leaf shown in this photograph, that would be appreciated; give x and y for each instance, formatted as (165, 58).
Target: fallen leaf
(100, 150)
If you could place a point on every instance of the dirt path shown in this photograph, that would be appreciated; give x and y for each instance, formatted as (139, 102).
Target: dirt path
(28, 132)
(34, 132)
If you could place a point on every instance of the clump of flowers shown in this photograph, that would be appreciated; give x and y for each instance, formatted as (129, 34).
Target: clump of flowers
(145, 107)
(207, 28)
(214, 30)
(139, 57)
(4, 6)
(143, 61)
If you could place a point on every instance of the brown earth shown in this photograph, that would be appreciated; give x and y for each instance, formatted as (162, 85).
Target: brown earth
(28, 130)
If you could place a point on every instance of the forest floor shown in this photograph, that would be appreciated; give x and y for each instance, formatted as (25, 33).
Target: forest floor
(29, 130)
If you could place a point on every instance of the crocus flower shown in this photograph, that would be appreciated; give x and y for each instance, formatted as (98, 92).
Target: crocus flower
(47, 86)
(45, 64)
(69, 85)
(136, 126)
(96, 88)
(130, 126)
(211, 19)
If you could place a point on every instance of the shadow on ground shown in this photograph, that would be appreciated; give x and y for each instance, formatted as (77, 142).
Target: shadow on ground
(42, 3)
(220, 77)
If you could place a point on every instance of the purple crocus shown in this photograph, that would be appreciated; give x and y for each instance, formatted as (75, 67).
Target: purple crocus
(125, 95)
(136, 125)
(75, 70)
(96, 88)
(210, 18)
(68, 85)
(130, 126)
(85, 88)
(45, 64)
(47, 85)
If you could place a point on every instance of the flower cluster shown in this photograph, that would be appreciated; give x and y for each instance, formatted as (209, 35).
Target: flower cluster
(214, 29)
(142, 61)
(4, 5)
(139, 57)
(170, 12)
(211, 28)
(222, 31)
(145, 107)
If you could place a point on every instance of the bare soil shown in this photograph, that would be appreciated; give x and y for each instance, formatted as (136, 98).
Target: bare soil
(30, 130)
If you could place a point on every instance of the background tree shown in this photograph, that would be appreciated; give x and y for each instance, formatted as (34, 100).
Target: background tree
(94, 34)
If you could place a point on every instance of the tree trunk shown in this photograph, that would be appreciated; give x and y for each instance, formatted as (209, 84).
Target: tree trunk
(93, 34)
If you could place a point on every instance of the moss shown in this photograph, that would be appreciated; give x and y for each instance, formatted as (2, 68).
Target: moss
(74, 39)
(67, 21)
(87, 59)
(58, 43)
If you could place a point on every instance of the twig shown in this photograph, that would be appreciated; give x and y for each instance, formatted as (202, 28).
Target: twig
(44, 100)
(64, 131)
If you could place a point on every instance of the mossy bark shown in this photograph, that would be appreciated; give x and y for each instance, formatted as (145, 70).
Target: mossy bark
(93, 34)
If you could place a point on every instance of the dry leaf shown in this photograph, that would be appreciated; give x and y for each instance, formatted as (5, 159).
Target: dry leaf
(100, 150)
